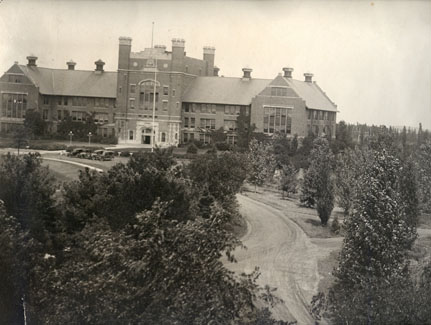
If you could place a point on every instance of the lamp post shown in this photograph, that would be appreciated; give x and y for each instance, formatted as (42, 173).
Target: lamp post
(70, 138)
(89, 138)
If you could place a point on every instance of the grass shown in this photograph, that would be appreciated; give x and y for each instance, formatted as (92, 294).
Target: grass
(63, 172)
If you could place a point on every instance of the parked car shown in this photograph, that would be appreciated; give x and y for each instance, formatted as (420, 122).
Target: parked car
(75, 152)
(108, 155)
(86, 153)
(97, 154)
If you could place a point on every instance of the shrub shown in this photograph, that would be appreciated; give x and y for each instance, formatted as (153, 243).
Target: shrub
(193, 149)
(125, 154)
(223, 146)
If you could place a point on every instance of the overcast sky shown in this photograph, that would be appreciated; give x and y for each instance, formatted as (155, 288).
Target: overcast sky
(373, 59)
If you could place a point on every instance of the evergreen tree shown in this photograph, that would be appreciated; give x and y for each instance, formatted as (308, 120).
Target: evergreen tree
(423, 158)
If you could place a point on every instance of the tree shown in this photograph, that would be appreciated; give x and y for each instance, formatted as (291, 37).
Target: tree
(34, 123)
(349, 167)
(218, 136)
(20, 137)
(27, 190)
(343, 138)
(423, 158)
(318, 185)
(159, 271)
(288, 181)
(261, 163)
(373, 264)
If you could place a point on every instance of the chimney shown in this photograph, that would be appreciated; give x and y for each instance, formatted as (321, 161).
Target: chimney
(216, 70)
(247, 73)
(160, 48)
(308, 76)
(178, 45)
(99, 65)
(71, 65)
(288, 72)
(32, 61)
(209, 55)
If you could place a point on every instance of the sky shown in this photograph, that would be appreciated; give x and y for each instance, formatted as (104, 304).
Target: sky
(373, 59)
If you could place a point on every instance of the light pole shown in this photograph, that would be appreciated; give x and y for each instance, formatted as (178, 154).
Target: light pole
(70, 138)
(89, 138)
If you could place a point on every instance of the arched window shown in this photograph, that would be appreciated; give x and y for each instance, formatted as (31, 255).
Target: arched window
(146, 93)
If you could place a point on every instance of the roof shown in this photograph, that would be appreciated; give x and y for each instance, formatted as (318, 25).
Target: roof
(314, 97)
(72, 82)
(222, 90)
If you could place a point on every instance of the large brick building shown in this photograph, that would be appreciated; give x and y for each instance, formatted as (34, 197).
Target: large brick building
(189, 98)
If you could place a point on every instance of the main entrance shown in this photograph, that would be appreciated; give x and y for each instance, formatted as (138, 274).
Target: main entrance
(146, 136)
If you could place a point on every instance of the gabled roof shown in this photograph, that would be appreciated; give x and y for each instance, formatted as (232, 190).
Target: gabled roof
(72, 82)
(222, 90)
(314, 97)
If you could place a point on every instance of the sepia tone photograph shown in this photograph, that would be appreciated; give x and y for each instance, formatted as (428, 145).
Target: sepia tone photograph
(215, 162)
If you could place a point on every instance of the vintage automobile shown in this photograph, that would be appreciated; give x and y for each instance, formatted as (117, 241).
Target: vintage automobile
(103, 155)
(75, 152)
(86, 153)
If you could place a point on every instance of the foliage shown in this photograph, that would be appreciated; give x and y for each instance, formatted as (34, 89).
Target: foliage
(373, 261)
(34, 123)
(27, 191)
(288, 181)
(343, 138)
(423, 158)
(20, 137)
(335, 226)
(124, 190)
(157, 272)
(218, 136)
(192, 149)
(300, 158)
(80, 130)
(222, 176)
(261, 163)
(318, 185)
(349, 167)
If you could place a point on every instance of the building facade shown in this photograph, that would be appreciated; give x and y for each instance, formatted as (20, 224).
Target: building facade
(165, 98)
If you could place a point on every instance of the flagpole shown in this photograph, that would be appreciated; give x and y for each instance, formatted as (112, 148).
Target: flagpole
(154, 107)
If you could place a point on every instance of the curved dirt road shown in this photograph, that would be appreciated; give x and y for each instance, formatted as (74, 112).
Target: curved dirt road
(284, 254)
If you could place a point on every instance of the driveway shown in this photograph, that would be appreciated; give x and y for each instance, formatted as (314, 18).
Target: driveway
(285, 255)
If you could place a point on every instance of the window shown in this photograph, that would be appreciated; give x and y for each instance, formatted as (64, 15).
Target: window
(230, 125)
(45, 114)
(163, 137)
(79, 101)
(185, 137)
(165, 105)
(173, 92)
(277, 119)
(78, 116)
(205, 138)
(177, 105)
(278, 91)
(15, 79)
(132, 88)
(192, 122)
(101, 118)
(310, 114)
(132, 103)
(207, 123)
(231, 139)
(213, 109)
(130, 135)
(14, 105)
(45, 100)
(65, 101)
(186, 122)
(186, 107)
(59, 101)
(165, 90)
(59, 117)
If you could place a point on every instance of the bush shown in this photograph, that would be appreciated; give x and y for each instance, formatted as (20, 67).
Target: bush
(193, 149)
(223, 146)
(125, 154)
(335, 226)
(48, 146)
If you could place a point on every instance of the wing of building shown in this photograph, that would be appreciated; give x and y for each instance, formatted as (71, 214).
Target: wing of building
(165, 98)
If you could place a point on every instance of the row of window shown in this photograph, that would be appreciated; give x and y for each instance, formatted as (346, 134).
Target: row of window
(321, 115)
(277, 119)
(144, 87)
(278, 91)
(79, 101)
(205, 138)
(148, 105)
(190, 122)
(320, 130)
(212, 108)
